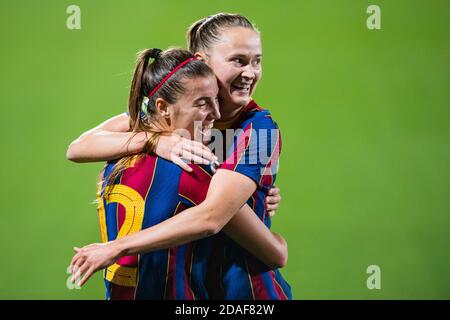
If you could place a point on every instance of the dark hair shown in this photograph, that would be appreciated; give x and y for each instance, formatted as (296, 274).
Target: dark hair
(146, 77)
(204, 32)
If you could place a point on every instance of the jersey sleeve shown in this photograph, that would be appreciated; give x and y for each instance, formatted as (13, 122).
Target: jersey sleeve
(193, 186)
(255, 150)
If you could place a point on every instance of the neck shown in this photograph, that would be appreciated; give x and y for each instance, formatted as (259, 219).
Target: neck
(230, 112)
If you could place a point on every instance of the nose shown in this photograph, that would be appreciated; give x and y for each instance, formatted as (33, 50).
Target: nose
(248, 72)
(214, 112)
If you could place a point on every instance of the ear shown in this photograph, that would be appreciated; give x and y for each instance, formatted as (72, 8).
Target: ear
(162, 107)
(200, 56)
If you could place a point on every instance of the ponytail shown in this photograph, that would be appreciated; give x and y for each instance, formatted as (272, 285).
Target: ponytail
(160, 79)
(193, 34)
(135, 101)
(136, 96)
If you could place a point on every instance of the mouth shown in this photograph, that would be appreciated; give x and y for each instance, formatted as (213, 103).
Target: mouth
(243, 88)
(208, 126)
(206, 131)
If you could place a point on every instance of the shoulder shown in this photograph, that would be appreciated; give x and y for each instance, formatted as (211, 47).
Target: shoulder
(145, 167)
(194, 185)
(256, 117)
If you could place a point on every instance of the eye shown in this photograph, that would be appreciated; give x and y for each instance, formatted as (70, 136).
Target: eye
(238, 61)
(201, 103)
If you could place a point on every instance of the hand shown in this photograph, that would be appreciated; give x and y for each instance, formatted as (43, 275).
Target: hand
(176, 148)
(91, 259)
(273, 200)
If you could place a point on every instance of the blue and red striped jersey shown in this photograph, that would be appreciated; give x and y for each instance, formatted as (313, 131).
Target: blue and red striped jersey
(149, 191)
(254, 153)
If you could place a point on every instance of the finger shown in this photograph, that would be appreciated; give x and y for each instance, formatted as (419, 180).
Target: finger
(269, 199)
(200, 150)
(75, 275)
(72, 265)
(272, 207)
(193, 143)
(86, 276)
(74, 261)
(76, 267)
(75, 272)
(83, 269)
(273, 199)
(274, 191)
(271, 213)
(205, 154)
(74, 258)
(181, 163)
(193, 158)
(207, 150)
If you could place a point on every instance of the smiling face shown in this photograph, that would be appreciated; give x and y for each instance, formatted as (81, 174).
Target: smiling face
(236, 61)
(196, 109)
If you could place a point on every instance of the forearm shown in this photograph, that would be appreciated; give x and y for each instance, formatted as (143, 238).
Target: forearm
(197, 222)
(249, 232)
(107, 141)
(104, 145)
(187, 226)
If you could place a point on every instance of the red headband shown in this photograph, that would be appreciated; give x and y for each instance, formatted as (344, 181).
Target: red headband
(169, 75)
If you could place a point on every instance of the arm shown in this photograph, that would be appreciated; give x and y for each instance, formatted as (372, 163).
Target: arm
(107, 141)
(250, 233)
(111, 140)
(194, 223)
(201, 221)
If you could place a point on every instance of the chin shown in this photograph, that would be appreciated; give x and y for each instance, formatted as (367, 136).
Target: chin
(206, 140)
(240, 100)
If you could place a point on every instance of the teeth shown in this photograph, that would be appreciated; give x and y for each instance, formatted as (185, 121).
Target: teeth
(242, 87)
(206, 131)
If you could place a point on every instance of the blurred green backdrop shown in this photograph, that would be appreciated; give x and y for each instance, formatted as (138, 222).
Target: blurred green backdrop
(364, 116)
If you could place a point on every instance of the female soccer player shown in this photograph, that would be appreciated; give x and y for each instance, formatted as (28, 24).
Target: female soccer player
(142, 190)
(230, 45)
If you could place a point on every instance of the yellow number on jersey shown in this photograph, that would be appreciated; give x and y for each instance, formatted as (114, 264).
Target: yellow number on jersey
(134, 215)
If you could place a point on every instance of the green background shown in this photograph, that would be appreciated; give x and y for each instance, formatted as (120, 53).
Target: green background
(364, 116)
